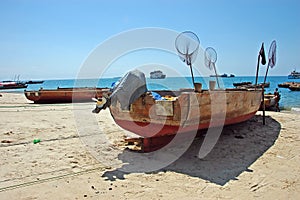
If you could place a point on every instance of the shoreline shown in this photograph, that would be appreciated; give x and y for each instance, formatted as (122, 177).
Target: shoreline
(282, 108)
(249, 161)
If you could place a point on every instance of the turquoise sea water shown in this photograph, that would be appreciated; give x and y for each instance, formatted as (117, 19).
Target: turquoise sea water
(288, 98)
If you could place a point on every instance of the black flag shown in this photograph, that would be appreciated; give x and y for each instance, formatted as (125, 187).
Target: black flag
(262, 54)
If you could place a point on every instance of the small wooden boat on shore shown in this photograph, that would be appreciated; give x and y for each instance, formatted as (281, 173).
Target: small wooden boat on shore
(65, 95)
(270, 101)
(158, 116)
(163, 113)
(5, 85)
(184, 114)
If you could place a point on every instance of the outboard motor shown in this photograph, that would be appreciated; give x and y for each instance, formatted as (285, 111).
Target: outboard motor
(130, 88)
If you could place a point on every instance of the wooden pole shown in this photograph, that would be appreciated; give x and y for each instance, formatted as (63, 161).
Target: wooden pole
(257, 69)
(266, 73)
(192, 75)
(264, 106)
(216, 75)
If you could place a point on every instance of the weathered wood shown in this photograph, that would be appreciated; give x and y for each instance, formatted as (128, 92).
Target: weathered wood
(65, 95)
(190, 111)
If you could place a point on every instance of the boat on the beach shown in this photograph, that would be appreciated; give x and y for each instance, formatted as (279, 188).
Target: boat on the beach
(270, 101)
(4, 85)
(157, 74)
(294, 75)
(157, 116)
(163, 113)
(65, 95)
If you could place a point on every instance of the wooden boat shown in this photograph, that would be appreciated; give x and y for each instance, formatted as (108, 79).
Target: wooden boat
(285, 84)
(270, 102)
(159, 114)
(65, 95)
(5, 85)
(250, 85)
(242, 84)
(185, 113)
(295, 87)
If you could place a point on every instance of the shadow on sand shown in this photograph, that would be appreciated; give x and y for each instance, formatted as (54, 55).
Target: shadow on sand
(238, 147)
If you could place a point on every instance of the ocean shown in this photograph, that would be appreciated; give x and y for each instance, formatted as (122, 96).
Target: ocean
(288, 100)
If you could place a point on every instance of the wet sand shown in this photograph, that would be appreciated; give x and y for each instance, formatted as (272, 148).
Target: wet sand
(249, 161)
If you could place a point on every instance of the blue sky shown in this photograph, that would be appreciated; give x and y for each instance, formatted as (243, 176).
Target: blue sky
(51, 39)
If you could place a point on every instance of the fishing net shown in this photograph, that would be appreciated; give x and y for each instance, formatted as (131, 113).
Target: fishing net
(187, 45)
(272, 54)
(210, 57)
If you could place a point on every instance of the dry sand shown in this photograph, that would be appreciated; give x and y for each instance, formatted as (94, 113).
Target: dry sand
(249, 160)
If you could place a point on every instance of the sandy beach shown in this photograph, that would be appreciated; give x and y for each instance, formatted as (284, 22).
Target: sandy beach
(249, 161)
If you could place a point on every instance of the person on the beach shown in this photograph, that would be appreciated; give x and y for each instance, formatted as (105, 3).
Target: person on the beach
(277, 98)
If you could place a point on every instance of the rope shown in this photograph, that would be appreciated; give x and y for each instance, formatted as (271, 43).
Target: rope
(11, 187)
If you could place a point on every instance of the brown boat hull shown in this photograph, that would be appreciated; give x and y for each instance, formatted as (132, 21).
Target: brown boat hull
(65, 95)
(295, 88)
(190, 111)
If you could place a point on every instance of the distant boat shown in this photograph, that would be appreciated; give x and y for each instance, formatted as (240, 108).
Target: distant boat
(242, 83)
(157, 75)
(295, 87)
(222, 75)
(34, 82)
(294, 75)
(266, 85)
(250, 85)
(5, 85)
(285, 84)
(65, 95)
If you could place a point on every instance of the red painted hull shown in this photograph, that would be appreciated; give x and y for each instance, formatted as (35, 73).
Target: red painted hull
(138, 127)
(188, 111)
(65, 95)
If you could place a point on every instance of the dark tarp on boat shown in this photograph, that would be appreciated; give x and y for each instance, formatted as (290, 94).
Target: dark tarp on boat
(130, 87)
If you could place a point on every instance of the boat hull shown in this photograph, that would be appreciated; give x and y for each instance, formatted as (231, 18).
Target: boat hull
(189, 111)
(65, 95)
(7, 85)
(137, 127)
(294, 88)
(13, 87)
